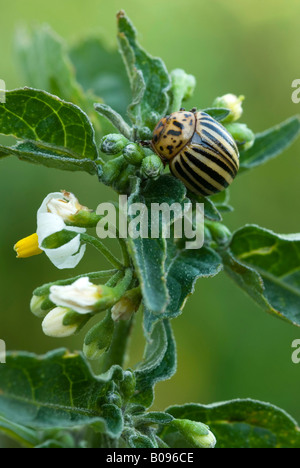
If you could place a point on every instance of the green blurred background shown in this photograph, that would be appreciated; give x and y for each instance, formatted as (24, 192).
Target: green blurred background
(227, 346)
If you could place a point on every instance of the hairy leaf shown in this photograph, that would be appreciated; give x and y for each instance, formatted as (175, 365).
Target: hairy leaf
(159, 363)
(149, 254)
(100, 69)
(32, 153)
(183, 269)
(267, 266)
(239, 424)
(34, 115)
(270, 143)
(57, 390)
(148, 76)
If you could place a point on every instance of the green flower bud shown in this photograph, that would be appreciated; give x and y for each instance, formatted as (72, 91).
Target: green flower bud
(99, 338)
(133, 154)
(219, 232)
(127, 386)
(144, 133)
(182, 83)
(115, 399)
(122, 183)
(40, 306)
(152, 119)
(152, 166)
(242, 134)
(112, 170)
(207, 235)
(231, 102)
(62, 322)
(127, 306)
(196, 433)
(113, 143)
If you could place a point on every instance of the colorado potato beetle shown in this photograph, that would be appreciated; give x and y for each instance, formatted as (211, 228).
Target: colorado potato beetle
(200, 151)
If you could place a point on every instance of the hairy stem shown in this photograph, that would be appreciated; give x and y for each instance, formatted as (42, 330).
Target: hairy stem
(103, 249)
(118, 349)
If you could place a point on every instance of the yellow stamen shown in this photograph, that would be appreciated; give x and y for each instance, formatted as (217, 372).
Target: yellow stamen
(28, 247)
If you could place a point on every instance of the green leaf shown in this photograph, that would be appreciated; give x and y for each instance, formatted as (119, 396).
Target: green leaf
(32, 153)
(148, 76)
(100, 69)
(239, 424)
(270, 143)
(57, 390)
(159, 363)
(267, 266)
(210, 210)
(149, 257)
(217, 113)
(25, 436)
(183, 269)
(34, 115)
(138, 440)
(154, 417)
(221, 201)
(45, 64)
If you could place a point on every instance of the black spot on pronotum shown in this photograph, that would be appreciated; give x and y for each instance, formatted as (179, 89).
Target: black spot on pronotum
(174, 132)
(170, 148)
(178, 124)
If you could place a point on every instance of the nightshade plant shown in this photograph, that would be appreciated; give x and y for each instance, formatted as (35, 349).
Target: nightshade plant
(62, 121)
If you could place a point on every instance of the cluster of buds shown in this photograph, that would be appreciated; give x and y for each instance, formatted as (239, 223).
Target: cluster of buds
(126, 159)
(243, 136)
(66, 308)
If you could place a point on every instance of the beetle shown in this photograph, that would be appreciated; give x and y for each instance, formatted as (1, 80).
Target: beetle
(199, 150)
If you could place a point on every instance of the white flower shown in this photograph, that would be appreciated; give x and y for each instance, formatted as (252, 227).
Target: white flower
(50, 220)
(53, 324)
(81, 296)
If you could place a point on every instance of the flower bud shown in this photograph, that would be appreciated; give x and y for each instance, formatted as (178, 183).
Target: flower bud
(99, 338)
(219, 232)
(40, 306)
(152, 118)
(183, 84)
(133, 154)
(127, 385)
(233, 103)
(144, 133)
(242, 134)
(82, 296)
(196, 433)
(112, 170)
(152, 166)
(62, 322)
(122, 183)
(127, 306)
(113, 143)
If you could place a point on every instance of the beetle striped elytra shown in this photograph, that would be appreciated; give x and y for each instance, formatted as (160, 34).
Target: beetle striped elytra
(200, 151)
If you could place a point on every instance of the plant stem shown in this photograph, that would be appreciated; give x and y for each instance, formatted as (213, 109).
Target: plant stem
(103, 249)
(117, 351)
